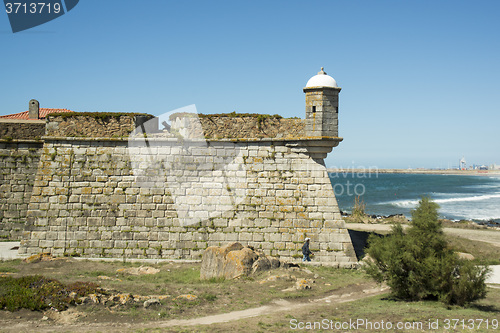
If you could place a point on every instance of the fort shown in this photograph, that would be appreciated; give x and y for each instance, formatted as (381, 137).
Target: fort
(106, 185)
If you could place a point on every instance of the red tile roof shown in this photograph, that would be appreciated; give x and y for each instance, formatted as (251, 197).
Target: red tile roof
(42, 114)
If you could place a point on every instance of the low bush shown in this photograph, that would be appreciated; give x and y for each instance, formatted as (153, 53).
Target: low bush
(36, 292)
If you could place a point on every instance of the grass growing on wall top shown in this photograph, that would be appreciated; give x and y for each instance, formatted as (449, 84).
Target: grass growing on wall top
(234, 114)
(97, 115)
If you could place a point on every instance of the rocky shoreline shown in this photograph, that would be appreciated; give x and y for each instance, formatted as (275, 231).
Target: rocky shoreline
(401, 218)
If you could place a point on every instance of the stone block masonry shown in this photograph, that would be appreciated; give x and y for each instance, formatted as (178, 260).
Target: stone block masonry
(322, 111)
(11, 129)
(94, 124)
(104, 197)
(18, 167)
(241, 126)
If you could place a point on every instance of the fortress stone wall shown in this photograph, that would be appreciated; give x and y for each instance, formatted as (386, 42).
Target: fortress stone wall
(18, 167)
(269, 194)
(114, 185)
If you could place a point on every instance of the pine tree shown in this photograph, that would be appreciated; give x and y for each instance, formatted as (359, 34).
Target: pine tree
(419, 264)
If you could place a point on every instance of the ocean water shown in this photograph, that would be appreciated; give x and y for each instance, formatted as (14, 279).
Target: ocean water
(459, 197)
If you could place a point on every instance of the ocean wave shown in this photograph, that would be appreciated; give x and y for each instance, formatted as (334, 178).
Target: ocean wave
(472, 198)
(414, 203)
(404, 203)
(471, 214)
(483, 186)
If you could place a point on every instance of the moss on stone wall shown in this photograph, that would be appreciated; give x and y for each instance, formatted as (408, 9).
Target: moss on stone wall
(233, 114)
(239, 125)
(21, 131)
(93, 124)
(96, 115)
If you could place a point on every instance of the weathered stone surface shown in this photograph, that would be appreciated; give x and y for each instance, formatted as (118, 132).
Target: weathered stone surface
(275, 262)
(18, 168)
(45, 256)
(219, 126)
(303, 284)
(189, 297)
(115, 125)
(234, 260)
(213, 260)
(239, 263)
(93, 199)
(21, 130)
(261, 264)
(151, 302)
(122, 299)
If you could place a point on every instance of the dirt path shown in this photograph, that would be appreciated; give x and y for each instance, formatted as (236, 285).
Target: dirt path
(488, 236)
(277, 306)
(348, 294)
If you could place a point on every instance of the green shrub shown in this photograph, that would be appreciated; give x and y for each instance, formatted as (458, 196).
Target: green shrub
(36, 292)
(463, 282)
(419, 265)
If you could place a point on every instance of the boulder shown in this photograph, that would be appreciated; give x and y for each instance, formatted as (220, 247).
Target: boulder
(188, 297)
(43, 256)
(466, 256)
(235, 246)
(142, 270)
(239, 263)
(213, 259)
(275, 262)
(151, 302)
(122, 299)
(95, 298)
(261, 264)
(233, 260)
(301, 284)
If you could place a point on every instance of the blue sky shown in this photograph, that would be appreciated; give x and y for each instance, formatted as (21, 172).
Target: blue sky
(419, 79)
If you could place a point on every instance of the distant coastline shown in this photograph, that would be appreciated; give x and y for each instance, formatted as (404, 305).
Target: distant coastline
(418, 171)
(461, 195)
